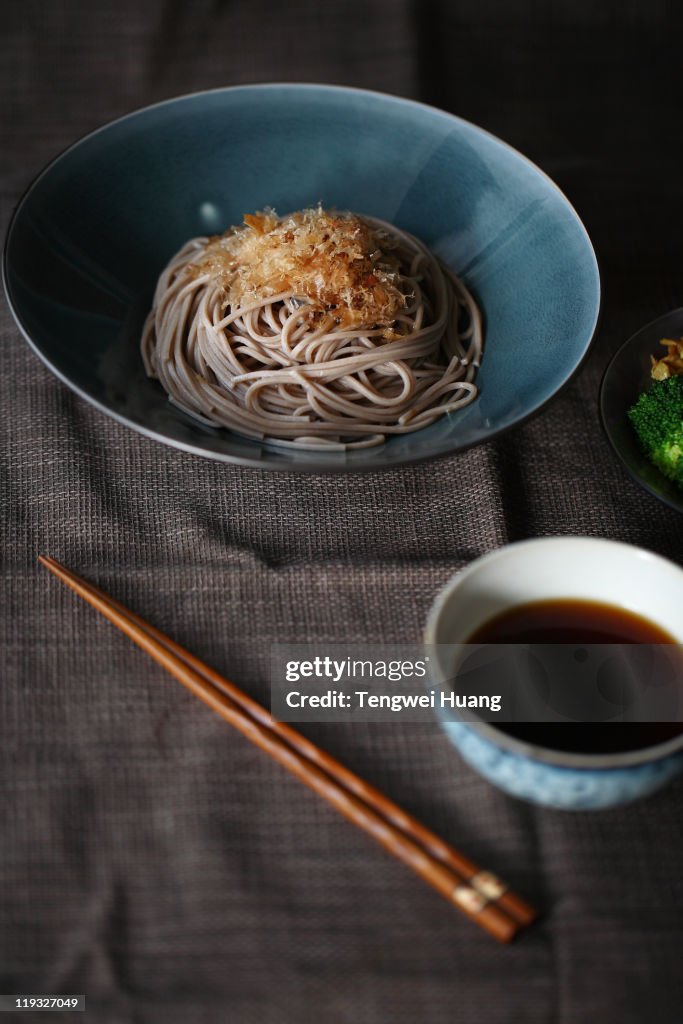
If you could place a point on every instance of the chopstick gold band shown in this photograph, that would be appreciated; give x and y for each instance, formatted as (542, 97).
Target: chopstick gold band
(479, 894)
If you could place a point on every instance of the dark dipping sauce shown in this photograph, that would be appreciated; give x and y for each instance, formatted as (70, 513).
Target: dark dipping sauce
(576, 622)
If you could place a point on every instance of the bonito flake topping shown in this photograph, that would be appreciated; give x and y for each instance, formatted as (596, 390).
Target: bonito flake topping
(337, 263)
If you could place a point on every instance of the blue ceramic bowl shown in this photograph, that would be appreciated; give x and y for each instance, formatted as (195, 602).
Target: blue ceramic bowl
(95, 229)
(583, 568)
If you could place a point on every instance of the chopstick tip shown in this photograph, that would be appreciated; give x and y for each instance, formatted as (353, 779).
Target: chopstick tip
(52, 564)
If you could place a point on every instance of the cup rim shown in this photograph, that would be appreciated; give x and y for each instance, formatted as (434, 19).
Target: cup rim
(532, 751)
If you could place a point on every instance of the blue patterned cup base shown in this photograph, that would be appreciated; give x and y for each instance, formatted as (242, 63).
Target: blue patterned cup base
(570, 789)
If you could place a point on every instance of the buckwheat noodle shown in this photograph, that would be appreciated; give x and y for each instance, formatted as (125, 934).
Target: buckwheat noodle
(268, 370)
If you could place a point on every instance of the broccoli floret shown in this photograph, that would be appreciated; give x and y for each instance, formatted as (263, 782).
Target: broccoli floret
(657, 418)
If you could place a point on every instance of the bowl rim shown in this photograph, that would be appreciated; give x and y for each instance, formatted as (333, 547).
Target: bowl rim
(263, 459)
(532, 751)
(632, 340)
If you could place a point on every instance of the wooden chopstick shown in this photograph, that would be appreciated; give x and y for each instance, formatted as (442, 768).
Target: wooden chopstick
(463, 867)
(478, 894)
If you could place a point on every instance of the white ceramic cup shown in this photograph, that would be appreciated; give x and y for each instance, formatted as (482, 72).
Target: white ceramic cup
(583, 568)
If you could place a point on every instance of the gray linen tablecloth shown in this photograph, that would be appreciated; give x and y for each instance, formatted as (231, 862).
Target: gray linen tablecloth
(151, 858)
